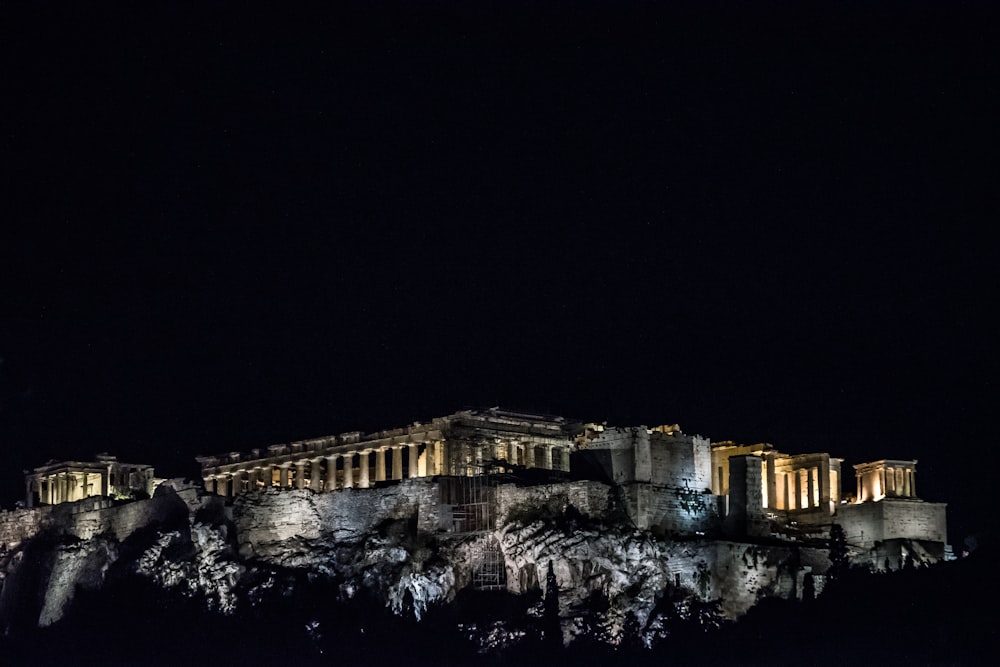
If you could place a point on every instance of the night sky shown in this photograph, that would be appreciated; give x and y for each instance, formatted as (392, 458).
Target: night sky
(224, 229)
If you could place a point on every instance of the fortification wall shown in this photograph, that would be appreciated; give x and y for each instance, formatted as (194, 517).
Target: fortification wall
(98, 516)
(681, 461)
(920, 520)
(88, 518)
(741, 574)
(867, 523)
(613, 453)
(19, 525)
(271, 517)
(671, 509)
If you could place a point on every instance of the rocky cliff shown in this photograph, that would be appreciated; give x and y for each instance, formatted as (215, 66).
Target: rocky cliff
(395, 546)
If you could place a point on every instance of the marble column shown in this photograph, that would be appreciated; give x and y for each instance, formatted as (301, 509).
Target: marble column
(477, 459)
(237, 482)
(548, 456)
(349, 471)
(913, 483)
(860, 498)
(209, 484)
(436, 468)
(906, 482)
(316, 475)
(397, 462)
(363, 463)
(770, 482)
(380, 464)
(445, 461)
(300, 475)
(331, 472)
(529, 455)
(881, 482)
(824, 485)
(283, 475)
(811, 487)
(414, 456)
(267, 475)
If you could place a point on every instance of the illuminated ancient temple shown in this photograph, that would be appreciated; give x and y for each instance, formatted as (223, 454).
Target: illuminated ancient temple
(886, 479)
(68, 481)
(461, 444)
(789, 482)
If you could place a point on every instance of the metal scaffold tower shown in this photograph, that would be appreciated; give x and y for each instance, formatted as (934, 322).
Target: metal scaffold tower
(472, 499)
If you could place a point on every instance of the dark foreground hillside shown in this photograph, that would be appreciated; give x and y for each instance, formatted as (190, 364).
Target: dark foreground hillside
(942, 615)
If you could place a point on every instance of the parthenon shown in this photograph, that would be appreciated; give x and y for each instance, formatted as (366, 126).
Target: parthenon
(461, 444)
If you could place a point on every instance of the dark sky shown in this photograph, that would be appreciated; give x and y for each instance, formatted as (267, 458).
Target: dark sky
(225, 229)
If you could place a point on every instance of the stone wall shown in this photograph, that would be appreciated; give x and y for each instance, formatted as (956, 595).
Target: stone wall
(671, 509)
(867, 523)
(745, 515)
(88, 518)
(19, 525)
(277, 515)
(742, 574)
(681, 461)
(610, 457)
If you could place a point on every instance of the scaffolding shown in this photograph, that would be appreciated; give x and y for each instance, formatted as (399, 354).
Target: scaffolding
(472, 500)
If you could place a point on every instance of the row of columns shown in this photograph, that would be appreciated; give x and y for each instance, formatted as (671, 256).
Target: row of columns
(802, 488)
(529, 455)
(324, 474)
(66, 486)
(887, 481)
(238, 481)
(899, 482)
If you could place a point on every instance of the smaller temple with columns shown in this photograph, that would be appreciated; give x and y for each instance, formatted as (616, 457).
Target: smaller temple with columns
(886, 479)
(68, 481)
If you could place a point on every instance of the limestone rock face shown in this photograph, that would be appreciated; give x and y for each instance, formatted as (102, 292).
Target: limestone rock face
(202, 564)
(394, 545)
(629, 569)
(82, 563)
